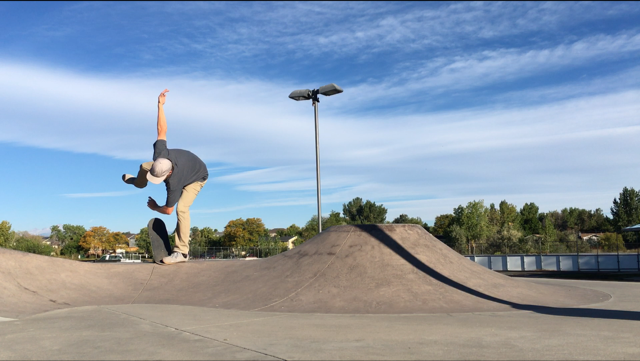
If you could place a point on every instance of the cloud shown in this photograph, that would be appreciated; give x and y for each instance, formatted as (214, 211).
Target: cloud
(350, 28)
(103, 194)
(241, 37)
(579, 145)
(46, 232)
(426, 80)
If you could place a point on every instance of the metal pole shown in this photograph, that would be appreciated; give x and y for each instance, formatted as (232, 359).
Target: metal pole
(315, 106)
(598, 254)
(618, 253)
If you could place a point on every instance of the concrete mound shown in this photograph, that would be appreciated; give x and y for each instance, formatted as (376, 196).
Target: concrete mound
(368, 269)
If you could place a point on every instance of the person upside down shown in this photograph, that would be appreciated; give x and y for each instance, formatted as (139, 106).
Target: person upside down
(184, 175)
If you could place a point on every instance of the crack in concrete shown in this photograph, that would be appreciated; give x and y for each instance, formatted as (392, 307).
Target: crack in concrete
(38, 294)
(313, 279)
(235, 322)
(145, 285)
(193, 333)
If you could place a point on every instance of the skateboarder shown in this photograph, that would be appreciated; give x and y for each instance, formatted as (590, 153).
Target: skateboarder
(184, 175)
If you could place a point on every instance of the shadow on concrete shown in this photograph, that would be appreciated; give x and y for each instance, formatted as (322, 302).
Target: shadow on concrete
(393, 245)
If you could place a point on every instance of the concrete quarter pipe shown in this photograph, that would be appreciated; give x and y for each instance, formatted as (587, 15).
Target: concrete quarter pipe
(367, 269)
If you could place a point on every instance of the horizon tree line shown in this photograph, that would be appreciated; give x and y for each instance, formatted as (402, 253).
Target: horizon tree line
(494, 227)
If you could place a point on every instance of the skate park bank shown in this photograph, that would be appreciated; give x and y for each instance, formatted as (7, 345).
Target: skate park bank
(352, 292)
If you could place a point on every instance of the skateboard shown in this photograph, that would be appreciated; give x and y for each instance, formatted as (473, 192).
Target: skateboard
(159, 239)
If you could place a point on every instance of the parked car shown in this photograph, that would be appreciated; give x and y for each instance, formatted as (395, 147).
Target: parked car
(110, 258)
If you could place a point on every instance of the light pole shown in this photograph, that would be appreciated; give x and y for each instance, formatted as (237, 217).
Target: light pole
(306, 94)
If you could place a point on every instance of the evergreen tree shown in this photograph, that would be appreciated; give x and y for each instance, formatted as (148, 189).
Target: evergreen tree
(625, 211)
(357, 212)
(529, 221)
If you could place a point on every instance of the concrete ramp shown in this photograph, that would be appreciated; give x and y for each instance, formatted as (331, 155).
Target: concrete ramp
(369, 269)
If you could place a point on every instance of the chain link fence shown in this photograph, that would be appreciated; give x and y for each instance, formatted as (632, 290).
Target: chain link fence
(580, 255)
(213, 253)
(539, 247)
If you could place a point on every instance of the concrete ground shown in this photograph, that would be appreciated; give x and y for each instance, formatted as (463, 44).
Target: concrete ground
(608, 330)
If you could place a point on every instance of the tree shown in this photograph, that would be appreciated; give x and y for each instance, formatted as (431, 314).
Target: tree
(493, 217)
(194, 238)
(508, 214)
(144, 242)
(599, 222)
(6, 234)
(442, 224)
(117, 240)
(69, 238)
(475, 222)
(95, 240)
(612, 242)
(309, 230)
(57, 234)
(311, 227)
(625, 211)
(244, 233)
(33, 244)
(529, 219)
(508, 237)
(458, 239)
(549, 230)
(405, 219)
(292, 230)
(357, 212)
(334, 219)
(209, 238)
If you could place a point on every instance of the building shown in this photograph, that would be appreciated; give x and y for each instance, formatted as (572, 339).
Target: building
(274, 232)
(591, 238)
(289, 240)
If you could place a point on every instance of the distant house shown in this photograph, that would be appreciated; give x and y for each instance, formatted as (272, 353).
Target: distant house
(590, 237)
(289, 240)
(132, 239)
(218, 234)
(133, 247)
(52, 242)
(274, 232)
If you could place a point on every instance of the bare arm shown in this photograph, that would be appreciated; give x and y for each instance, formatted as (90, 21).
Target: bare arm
(162, 120)
(151, 203)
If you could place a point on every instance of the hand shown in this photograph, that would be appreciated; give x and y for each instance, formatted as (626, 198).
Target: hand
(152, 204)
(162, 96)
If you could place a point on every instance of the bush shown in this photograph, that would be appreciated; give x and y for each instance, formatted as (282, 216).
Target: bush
(612, 242)
(32, 245)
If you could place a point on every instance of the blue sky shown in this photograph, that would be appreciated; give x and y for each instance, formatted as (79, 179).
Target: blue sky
(443, 103)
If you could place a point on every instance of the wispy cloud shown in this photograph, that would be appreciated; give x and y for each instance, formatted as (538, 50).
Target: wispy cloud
(424, 81)
(384, 156)
(443, 102)
(239, 37)
(102, 194)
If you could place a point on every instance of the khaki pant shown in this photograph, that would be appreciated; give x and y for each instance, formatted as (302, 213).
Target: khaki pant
(183, 228)
(189, 193)
(141, 179)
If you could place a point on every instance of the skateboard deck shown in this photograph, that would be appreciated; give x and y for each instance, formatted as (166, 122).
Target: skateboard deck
(159, 239)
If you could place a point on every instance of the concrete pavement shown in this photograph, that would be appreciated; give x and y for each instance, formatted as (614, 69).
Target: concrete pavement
(187, 332)
(352, 292)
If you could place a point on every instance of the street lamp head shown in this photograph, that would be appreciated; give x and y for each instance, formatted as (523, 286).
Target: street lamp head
(330, 89)
(302, 94)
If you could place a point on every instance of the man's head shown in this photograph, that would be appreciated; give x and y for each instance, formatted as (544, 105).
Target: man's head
(160, 170)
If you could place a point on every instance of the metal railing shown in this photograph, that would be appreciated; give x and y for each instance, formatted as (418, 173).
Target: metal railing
(559, 256)
(540, 247)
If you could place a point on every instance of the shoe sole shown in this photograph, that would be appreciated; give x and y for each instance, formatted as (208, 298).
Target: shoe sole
(170, 263)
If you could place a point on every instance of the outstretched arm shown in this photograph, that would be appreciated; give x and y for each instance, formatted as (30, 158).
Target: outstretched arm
(153, 205)
(162, 121)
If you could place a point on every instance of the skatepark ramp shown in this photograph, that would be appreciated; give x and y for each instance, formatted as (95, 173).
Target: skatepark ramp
(366, 269)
